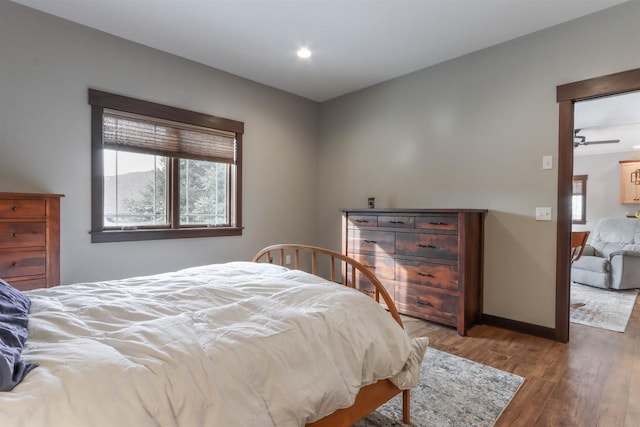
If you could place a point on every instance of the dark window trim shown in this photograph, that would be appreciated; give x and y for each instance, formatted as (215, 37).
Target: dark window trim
(157, 234)
(583, 179)
(99, 101)
(152, 109)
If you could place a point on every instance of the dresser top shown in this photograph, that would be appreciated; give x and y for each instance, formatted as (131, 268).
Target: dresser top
(397, 211)
(5, 195)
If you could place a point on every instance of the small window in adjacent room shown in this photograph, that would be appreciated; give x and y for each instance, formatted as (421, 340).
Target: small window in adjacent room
(579, 199)
(161, 172)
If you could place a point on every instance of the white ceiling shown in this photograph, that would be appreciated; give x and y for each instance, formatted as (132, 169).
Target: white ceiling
(609, 118)
(355, 43)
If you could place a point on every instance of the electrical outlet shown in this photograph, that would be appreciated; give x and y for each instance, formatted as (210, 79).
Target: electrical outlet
(547, 162)
(543, 214)
(287, 259)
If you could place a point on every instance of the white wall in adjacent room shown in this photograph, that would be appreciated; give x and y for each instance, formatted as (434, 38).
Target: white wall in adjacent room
(603, 186)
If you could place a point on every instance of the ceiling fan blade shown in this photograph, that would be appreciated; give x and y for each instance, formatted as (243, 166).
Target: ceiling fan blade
(583, 142)
(606, 141)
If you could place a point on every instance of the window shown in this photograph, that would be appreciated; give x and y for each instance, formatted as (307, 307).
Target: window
(579, 199)
(161, 172)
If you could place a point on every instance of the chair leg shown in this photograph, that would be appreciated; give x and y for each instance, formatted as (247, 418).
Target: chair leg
(406, 406)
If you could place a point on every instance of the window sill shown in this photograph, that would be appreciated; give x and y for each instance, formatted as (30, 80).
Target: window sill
(183, 233)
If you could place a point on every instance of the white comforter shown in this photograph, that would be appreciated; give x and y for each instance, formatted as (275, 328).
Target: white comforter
(237, 344)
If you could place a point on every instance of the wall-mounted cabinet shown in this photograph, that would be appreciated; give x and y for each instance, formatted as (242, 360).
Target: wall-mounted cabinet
(630, 182)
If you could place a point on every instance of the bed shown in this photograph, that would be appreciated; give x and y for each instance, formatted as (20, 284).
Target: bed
(234, 344)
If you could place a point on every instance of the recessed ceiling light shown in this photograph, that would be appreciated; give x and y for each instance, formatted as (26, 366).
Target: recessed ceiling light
(304, 53)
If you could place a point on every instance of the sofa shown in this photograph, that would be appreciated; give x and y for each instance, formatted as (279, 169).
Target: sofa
(611, 258)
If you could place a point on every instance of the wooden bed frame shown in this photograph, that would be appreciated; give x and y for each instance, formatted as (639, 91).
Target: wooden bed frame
(371, 396)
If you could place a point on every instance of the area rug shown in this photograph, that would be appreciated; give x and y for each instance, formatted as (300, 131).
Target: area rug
(452, 392)
(601, 308)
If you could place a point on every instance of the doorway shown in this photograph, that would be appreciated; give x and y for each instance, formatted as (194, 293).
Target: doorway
(567, 95)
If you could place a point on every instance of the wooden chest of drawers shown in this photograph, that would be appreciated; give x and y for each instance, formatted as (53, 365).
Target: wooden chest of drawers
(30, 240)
(430, 261)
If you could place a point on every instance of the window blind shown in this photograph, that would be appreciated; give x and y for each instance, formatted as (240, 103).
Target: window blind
(138, 133)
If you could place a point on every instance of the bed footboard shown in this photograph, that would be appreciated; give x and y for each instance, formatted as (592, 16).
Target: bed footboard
(313, 253)
(372, 396)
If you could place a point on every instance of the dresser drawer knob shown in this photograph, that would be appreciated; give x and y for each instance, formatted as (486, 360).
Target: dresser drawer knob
(420, 245)
(396, 222)
(425, 303)
(425, 274)
(14, 264)
(371, 241)
(362, 221)
(15, 234)
(437, 223)
(14, 208)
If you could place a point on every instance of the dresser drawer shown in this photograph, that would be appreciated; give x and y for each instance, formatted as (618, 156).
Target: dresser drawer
(21, 234)
(437, 222)
(396, 221)
(441, 246)
(27, 263)
(372, 241)
(381, 265)
(441, 276)
(418, 302)
(29, 284)
(14, 209)
(362, 221)
(365, 286)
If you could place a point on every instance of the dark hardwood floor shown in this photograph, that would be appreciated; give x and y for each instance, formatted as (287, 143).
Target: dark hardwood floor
(594, 380)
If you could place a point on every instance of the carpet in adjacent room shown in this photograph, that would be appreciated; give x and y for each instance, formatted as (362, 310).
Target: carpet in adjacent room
(601, 308)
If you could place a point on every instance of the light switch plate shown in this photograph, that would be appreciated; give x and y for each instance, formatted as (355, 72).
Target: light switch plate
(543, 214)
(547, 162)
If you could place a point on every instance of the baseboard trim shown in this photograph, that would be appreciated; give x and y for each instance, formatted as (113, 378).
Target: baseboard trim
(517, 326)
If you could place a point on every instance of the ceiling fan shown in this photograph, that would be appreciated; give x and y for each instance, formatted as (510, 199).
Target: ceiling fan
(579, 140)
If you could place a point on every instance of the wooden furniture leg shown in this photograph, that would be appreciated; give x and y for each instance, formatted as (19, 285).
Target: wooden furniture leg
(406, 406)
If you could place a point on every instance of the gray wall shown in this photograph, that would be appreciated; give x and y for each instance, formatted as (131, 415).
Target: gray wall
(467, 133)
(47, 65)
(471, 133)
(603, 186)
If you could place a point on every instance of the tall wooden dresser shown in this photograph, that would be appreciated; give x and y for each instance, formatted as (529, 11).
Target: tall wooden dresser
(30, 240)
(430, 261)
